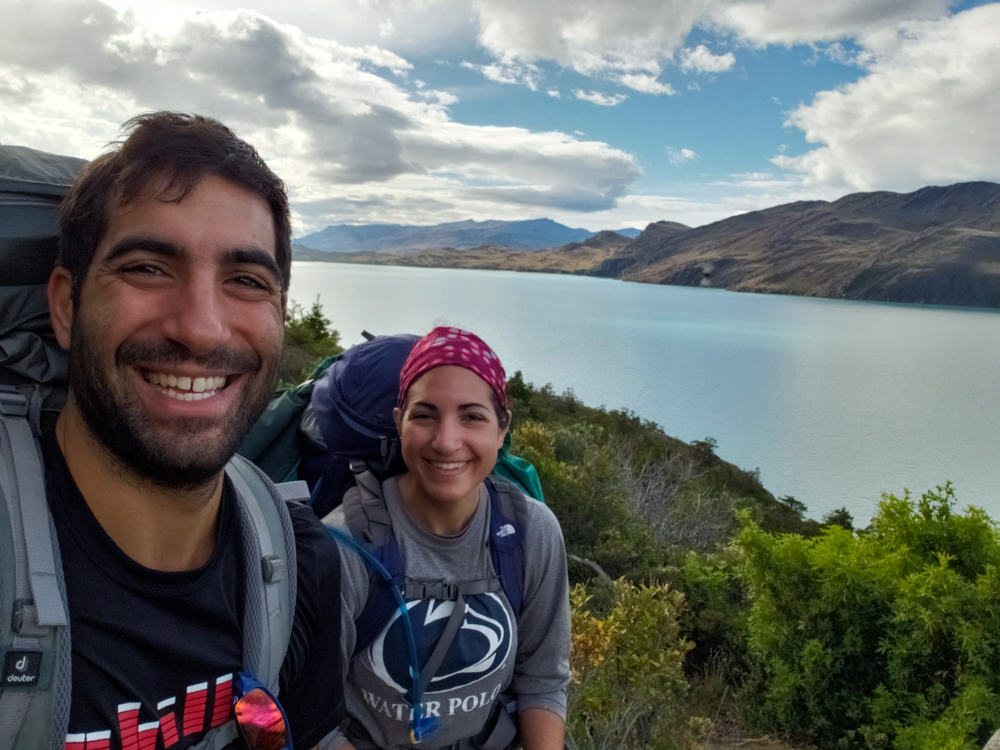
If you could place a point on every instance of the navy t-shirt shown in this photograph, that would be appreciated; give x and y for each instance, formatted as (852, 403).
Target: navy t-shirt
(155, 653)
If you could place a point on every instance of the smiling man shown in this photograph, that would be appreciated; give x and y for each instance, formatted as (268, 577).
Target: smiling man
(170, 294)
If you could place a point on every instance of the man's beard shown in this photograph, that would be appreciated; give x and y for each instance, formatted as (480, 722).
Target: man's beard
(165, 451)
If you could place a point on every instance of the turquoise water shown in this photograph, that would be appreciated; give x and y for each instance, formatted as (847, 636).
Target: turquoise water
(834, 401)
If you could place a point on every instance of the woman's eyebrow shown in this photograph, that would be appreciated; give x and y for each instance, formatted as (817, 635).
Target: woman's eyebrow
(472, 405)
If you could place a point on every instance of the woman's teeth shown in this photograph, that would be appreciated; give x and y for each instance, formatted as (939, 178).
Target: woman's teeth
(448, 467)
(184, 388)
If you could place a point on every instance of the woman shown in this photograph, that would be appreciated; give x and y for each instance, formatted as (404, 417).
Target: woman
(476, 652)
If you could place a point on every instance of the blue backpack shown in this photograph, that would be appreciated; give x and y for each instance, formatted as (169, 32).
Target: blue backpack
(342, 415)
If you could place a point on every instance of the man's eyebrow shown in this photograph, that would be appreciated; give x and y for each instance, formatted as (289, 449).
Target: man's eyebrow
(131, 244)
(254, 256)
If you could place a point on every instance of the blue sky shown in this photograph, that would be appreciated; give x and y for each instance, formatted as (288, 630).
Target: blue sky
(595, 113)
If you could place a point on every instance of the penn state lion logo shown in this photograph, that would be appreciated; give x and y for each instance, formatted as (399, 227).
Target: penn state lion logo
(480, 648)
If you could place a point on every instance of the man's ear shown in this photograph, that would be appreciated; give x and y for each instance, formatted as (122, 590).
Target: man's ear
(60, 293)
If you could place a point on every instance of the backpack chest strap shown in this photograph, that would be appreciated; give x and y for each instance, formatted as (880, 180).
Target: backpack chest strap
(448, 591)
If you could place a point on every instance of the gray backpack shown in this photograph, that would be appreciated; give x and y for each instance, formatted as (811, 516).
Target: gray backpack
(35, 650)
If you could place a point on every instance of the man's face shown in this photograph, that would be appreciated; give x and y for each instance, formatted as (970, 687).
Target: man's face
(176, 341)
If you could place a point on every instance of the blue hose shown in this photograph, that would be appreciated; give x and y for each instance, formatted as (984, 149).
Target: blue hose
(419, 727)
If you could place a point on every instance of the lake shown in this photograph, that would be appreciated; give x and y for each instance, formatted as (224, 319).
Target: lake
(834, 401)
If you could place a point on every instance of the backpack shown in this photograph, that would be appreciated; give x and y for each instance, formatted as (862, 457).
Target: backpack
(342, 415)
(35, 649)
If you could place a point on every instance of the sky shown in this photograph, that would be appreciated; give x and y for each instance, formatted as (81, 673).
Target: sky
(599, 114)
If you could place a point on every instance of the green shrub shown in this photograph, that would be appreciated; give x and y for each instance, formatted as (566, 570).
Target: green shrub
(628, 684)
(889, 639)
(308, 341)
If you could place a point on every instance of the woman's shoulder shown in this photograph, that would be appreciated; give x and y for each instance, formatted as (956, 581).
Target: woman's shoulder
(541, 525)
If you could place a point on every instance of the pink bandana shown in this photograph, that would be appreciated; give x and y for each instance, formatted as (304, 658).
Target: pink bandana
(453, 346)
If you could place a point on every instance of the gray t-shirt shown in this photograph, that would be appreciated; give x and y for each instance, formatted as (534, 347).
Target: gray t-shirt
(491, 650)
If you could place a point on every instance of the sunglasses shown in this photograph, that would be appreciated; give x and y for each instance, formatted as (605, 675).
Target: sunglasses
(260, 719)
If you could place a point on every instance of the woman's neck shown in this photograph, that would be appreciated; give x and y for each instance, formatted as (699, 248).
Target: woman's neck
(443, 518)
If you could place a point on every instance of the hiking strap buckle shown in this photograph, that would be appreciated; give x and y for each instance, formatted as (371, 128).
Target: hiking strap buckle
(439, 590)
(12, 402)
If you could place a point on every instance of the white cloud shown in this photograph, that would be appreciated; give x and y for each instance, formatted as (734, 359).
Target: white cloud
(509, 72)
(795, 22)
(701, 60)
(339, 122)
(645, 84)
(926, 112)
(612, 39)
(554, 93)
(596, 97)
(680, 156)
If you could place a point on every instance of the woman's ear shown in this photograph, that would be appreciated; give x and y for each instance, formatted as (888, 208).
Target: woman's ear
(503, 432)
(60, 294)
(397, 417)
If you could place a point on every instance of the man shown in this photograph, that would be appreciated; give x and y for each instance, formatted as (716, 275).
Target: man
(170, 294)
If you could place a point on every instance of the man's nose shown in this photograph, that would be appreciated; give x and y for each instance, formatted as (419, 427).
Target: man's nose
(198, 316)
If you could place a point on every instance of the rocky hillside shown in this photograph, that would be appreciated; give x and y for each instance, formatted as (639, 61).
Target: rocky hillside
(939, 245)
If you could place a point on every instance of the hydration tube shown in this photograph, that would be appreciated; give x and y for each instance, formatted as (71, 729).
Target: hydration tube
(420, 727)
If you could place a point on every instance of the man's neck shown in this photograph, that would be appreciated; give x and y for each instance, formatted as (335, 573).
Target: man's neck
(162, 529)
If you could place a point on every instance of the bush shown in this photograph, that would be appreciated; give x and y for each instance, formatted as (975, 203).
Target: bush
(889, 639)
(308, 341)
(628, 684)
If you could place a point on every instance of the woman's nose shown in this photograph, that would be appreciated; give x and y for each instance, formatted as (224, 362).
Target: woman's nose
(447, 437)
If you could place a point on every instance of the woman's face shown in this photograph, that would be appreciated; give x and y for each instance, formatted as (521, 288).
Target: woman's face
(449, 433)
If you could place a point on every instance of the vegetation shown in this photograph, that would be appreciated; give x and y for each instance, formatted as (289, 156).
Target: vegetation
(308, 341)
(707, 613)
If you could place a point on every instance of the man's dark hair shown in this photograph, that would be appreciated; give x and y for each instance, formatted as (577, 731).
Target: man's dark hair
(180, 150)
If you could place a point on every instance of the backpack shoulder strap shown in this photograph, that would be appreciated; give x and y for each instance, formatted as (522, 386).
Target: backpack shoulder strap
(34, 624)
(268, 536)
(371, 526)
(508, 520)
(269, 545)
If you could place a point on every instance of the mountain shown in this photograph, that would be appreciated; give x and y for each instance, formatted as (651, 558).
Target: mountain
(397, 238)
(575, 257)
(938, 245)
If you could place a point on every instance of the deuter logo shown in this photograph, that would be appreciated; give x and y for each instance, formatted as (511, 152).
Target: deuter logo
(21, 669)
(505, 530)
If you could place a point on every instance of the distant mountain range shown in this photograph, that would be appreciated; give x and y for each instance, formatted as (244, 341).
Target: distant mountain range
(938, 245)
(460, 235)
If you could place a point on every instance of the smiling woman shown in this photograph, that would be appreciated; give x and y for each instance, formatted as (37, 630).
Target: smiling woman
(492, 655)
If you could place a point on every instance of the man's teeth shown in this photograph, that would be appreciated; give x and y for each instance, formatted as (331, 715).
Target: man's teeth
(447, 467)
(184, 388)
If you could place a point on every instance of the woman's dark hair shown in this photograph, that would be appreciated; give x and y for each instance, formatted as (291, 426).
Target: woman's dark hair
(179, 150)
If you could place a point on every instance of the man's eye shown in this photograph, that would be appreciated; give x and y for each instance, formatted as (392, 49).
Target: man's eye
(251, 283)
(143, 268)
